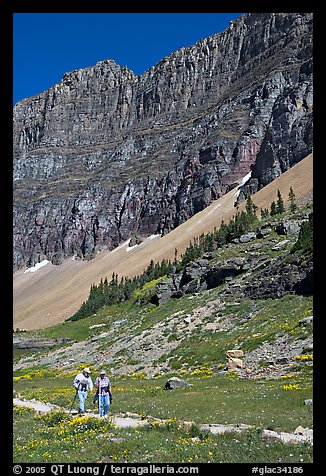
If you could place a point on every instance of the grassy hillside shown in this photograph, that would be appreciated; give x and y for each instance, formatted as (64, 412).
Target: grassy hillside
(142, 344)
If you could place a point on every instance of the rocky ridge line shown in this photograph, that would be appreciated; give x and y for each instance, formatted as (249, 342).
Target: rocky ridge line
(108, 155)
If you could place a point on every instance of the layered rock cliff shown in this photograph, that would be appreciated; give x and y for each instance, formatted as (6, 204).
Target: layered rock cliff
(105, 155)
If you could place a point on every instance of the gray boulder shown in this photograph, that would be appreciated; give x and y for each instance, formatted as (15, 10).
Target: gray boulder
(175, 382)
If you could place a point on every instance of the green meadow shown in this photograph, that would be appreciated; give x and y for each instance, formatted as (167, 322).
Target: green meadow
(213, 397)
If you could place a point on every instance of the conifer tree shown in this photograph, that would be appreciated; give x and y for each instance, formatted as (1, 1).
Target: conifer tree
(222, 234)
(127, 289)
(251, 209)
(208, 242)
(279, 204)
(273, 211)
(293, 205)
(93, 291)
(150, 270)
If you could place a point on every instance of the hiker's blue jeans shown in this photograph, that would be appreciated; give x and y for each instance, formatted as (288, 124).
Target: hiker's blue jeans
(82, 395)
(103, 405)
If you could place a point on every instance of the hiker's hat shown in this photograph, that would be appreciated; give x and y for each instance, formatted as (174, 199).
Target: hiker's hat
(102, 372)
(86, 369)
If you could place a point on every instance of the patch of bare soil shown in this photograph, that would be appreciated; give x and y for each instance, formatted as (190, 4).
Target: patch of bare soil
(54, 293)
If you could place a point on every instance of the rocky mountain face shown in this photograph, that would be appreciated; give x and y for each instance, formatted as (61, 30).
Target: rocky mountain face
(105, 155)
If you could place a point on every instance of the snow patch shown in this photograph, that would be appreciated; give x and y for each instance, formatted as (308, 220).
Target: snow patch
(243, 181)
(37, 266)
(122, 245)
(154, 236)
(129, 248)
(151, 237)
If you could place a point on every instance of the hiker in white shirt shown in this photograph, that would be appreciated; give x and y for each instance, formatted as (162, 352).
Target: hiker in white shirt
(82, 383)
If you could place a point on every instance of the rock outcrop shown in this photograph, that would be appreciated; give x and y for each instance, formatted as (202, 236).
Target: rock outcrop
(36, 343)
(175, 382)
(105, 155)
(269, 278)
(234, 361)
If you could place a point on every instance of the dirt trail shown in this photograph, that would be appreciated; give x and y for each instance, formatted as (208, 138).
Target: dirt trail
(300, 435)
(54, 293)
(119, 421)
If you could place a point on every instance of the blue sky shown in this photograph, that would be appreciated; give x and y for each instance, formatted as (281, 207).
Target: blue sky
(46, 45)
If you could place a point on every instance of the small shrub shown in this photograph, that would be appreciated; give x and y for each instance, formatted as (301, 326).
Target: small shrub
(55, 417)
